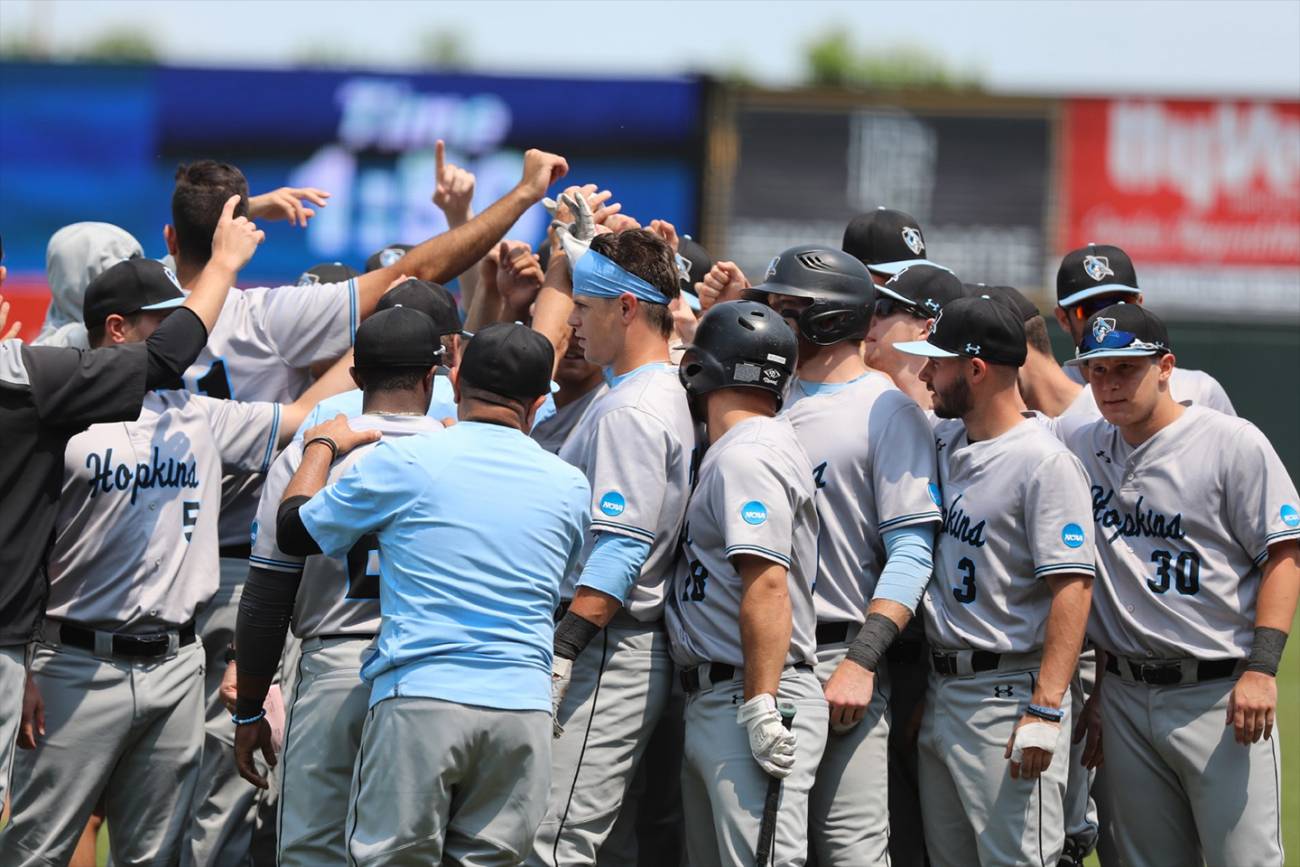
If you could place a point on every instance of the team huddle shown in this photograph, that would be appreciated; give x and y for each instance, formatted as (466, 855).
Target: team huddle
(625, 558)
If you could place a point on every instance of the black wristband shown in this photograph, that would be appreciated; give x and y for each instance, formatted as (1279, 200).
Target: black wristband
(873, 640)
(334, 447)
(1266, 652)
(572, 634)
(230, 653)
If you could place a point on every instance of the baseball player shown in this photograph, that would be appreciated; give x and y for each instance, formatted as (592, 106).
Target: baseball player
(333, 604)
(635, 445)
(1197, 538)
(905, 309)
(741, 617)
(581, 384)
(459, 674)
(134, 555)
(1098, 276)
(263, 347)
(1006, 610)
(886, 241)
(873, 462)
(50, 393)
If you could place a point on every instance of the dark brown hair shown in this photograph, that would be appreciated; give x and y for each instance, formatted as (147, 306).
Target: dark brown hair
(202, 189)
(644, 254)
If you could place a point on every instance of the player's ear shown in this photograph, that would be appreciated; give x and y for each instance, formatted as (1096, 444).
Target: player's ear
(169, 238)
(532, 412)
(1167, 363)
(627, 307)
(928, 329)
(115, 329)
(1063, 320)
(356, 377)
(454, 375)
(428, 378)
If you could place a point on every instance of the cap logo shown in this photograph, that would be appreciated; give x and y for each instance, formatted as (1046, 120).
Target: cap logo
(389, 256)
(1101, 328)
(930, 304)
(308, 279)
(771, 267)
(912, 238)
(171, 277)
(1097, 267)
(683, 268)
(973, 348)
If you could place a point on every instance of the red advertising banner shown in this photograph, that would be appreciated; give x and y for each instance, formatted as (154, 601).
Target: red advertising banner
(1178, 182)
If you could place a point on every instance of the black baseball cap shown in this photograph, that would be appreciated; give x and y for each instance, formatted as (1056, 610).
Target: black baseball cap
(399, 337)
(128, 287)
(1122, 331)
(885, 240)
(509, 359)
(431, 299)
(327, 272)
(973, 327)
(1008, 295)
(924, 289)
(1097, 269)
(693, 262)
(387, 256)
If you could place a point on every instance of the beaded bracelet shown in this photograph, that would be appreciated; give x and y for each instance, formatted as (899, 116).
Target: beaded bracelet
(248, 720)
(1051, 714)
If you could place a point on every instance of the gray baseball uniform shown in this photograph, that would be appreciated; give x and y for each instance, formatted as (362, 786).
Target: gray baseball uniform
(1184, 523)
(336, 615)
(134, 556)
(635, 445)
(873, 462)
(261, 348)
(1014, 511)
(551, 433)
(1196, 386)
(754, 496)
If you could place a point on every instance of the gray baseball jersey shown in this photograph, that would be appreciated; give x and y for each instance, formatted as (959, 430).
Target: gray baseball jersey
(754, 495)
(552, 432)
(1015, 510)
(873, 466)
(1183, 524)
(135, 546)
(261, 348)
(635, 445)
(337, 595)
(1195, 386)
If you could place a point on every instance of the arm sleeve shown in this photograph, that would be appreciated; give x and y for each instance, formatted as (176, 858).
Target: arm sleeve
(74, 388)
(1263, 508)
(629, 473)
(614, 564)
(306, 324)
(755, 503)
(173, 347)
(1058, 517)
(363, 500)
(265, 609)
(246, 433)
(904, 469)
(909, 562)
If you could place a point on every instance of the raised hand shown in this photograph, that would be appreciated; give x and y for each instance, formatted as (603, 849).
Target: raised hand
(4, 318)
(235, 239)
(455, 189)
(541, 169)
(667, 231)
(286, 203)
(518, 276)
(724, 282)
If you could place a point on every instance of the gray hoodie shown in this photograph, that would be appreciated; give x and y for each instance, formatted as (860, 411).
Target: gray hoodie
(77, 254)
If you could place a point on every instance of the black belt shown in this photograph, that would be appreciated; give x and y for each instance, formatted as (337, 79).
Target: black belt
(138, 646)
(1170, 673)
(350, 636)
(980, 660)
(235, 552)
(719, 672)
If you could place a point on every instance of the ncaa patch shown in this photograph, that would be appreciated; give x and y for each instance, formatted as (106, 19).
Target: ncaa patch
(1290, 516)
(754, 513)
(1072, 535)
(935, 496)
(1097, 267)
(613, 504)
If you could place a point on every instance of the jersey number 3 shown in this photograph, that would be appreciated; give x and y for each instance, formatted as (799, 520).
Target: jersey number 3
(965, 594)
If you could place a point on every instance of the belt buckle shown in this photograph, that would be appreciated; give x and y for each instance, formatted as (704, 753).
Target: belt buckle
(1160, 673)
(145, 646)
(944, 663)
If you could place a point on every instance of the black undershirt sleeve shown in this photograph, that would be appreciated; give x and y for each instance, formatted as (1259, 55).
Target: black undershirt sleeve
(265, 609)
(290, 533)
(173, 347)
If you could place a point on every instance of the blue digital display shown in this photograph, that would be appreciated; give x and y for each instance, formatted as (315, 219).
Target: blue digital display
(82, 142)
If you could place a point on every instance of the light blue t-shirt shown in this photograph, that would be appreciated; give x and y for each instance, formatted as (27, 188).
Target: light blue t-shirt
(477, 525)
(442, 405)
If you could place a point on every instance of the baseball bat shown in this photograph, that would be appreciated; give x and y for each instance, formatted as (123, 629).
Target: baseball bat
(767, 827)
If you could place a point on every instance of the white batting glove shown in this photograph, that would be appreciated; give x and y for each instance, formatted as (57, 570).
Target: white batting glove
(561, 674)
(769, 740)
(575, 237)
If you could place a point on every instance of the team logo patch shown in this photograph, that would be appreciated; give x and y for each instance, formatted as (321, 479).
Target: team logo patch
(771, 267)
(1101, 328)
(754, 513)
(613, 504)
(390, 255)
(172, 277)
(935, 496)
(771, 375)
(1097, 267)
(1072, 535)
(912, 238)
(1290, 516)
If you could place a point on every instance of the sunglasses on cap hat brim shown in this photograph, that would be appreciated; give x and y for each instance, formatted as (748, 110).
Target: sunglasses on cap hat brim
(1116, 344)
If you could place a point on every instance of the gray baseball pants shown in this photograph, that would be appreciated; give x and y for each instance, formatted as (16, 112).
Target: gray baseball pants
(13, 679)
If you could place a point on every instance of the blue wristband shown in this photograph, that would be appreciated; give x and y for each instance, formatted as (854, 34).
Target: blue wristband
(1051, 714)
(248, 720)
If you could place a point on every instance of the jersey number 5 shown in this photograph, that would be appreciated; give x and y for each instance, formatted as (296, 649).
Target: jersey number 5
(965, 594)
(1185, 572)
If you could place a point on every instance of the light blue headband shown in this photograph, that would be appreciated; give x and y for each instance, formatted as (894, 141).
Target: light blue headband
(597, 276)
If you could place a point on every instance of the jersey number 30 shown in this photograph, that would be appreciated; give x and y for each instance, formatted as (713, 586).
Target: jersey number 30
(1184, 569)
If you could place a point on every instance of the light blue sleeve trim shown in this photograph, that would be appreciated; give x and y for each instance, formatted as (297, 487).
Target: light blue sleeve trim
(909, 561)
(272, 440)
(614, 564)
(352, 311)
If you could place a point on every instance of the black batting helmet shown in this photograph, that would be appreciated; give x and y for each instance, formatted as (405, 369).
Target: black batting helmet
(740, 344)
(840, 287)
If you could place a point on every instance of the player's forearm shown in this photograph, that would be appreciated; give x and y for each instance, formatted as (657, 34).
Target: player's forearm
(336, 380)
(555, 305)
(901, 615)
(591, 604)
(765, 625)
(1279, 587)
(311, 474)
(1066, 623)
